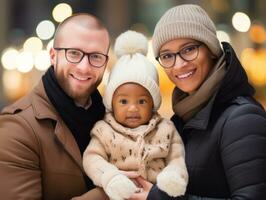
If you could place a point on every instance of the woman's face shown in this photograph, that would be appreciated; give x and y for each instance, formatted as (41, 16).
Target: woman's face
(188, 75)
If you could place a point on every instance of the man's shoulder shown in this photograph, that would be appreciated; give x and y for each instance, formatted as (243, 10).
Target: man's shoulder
(18, 106)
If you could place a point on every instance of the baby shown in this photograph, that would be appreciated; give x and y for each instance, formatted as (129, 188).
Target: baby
(133, 136)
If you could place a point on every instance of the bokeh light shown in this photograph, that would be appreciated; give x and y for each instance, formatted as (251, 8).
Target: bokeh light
(257, 33)
(12, 80)
(254, 62)
(223, 36)
(42, 60)
(45, 30)
(241, 22)
(49, 45)
(9, 57)
(61, 12)
(24, 62)
(33, 44)
(15, 84)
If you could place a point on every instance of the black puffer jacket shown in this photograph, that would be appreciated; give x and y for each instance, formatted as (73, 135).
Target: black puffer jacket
(225, 142)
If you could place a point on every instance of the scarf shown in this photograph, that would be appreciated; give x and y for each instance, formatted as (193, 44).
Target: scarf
(79, 120)
(185, 105)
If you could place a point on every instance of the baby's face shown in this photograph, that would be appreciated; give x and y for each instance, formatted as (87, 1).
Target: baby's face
(132, 105)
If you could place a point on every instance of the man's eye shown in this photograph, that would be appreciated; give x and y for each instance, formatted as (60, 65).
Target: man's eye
(74, 53)
(142, 101)
(96, 57)
(123, 101)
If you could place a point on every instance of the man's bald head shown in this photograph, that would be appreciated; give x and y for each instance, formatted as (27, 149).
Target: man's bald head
(82, 19)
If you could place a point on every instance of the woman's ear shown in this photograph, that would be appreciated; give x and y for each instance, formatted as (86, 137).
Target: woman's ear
(214, 57)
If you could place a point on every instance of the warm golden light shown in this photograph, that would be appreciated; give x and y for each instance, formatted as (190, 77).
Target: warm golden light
(257, 33)
(14, 84)
(254, 62)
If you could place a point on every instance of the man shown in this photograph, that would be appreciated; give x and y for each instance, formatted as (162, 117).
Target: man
(44, 134)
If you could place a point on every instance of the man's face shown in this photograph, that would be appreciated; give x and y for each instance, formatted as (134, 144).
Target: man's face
(79, 80)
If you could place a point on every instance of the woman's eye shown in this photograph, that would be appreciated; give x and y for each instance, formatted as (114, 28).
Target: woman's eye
(167, 56)
(188, 49)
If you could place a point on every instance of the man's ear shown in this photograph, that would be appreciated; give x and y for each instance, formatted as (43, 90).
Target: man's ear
(52, 53)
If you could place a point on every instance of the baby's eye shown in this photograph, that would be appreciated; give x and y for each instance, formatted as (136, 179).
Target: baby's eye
(142, 101)
(123, 101)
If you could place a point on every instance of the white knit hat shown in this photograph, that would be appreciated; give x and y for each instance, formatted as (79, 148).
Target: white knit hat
(186, 21)
(132, 66)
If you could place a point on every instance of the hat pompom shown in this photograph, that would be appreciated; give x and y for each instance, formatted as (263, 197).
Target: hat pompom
(131, 42)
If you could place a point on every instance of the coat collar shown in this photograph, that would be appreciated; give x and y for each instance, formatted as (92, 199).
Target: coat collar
(201, 120)
(43, 109)
(134, 133)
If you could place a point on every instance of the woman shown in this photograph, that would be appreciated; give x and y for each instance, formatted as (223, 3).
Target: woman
(223, 127)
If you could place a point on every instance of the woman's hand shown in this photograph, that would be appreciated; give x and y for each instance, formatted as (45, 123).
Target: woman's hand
(144, 185)
(145, 189)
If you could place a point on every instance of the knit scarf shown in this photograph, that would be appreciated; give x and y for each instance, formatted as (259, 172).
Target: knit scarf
(79, 120)
(186, 106)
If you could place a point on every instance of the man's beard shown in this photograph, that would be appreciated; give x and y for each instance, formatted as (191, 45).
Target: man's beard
(75, 94)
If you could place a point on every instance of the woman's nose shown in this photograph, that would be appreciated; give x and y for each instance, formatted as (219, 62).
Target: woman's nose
(179, 62)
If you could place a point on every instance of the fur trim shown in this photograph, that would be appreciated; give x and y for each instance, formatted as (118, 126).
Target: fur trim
(172, 183)
(120, 187)
(131, 42)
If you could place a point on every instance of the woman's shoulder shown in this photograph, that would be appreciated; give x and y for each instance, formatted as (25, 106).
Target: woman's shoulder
(242, 106)
(242, 120)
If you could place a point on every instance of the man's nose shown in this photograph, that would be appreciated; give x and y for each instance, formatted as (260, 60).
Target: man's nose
(84, 64)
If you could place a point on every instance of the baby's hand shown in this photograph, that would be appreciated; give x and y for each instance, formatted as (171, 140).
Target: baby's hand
(120, 187)
(172, 183)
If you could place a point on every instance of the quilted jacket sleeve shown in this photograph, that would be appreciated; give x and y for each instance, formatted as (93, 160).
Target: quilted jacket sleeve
(243, 152)
(19, 160)
(95, 161)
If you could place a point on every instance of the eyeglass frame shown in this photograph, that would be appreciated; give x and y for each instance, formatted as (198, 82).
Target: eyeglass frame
(180, 55)
(84, 54)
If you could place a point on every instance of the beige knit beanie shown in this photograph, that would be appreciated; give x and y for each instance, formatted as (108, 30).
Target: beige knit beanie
(132, 66)
(186, 21)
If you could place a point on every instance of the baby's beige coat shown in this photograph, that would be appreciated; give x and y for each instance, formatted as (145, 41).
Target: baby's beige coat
(148, 149)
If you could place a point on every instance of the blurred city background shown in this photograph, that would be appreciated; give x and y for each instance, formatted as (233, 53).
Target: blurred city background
(27, 28)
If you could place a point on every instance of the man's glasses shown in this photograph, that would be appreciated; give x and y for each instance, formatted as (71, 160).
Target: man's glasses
(188, 53)
(75, 56)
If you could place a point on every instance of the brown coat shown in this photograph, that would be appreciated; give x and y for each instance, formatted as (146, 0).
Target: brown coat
(147, 149)
(39, 158)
